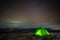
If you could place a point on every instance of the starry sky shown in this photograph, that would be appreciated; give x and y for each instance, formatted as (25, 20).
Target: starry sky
(29, 13)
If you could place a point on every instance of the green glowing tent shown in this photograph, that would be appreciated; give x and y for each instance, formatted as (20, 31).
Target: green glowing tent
(41, 32)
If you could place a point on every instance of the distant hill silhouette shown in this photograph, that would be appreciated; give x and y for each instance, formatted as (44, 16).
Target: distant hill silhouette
(24, 30)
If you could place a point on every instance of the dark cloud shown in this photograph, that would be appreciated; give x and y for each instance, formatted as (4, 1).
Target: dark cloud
(33, 11)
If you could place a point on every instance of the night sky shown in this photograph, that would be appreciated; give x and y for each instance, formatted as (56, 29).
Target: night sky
(29, 13)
